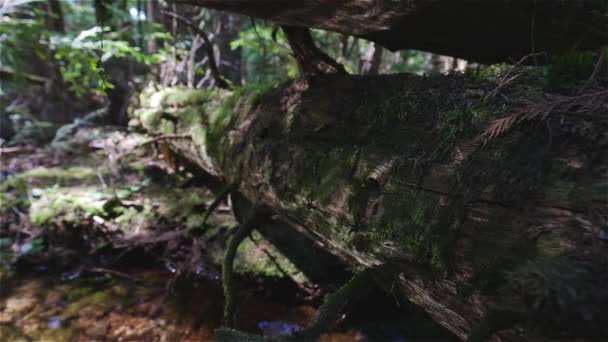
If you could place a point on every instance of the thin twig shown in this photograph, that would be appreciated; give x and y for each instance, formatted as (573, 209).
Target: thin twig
(505, 79)
(500, 86)
(17, 149)
(166, 137)
(115, 273)
(101, 180)
(219, 80)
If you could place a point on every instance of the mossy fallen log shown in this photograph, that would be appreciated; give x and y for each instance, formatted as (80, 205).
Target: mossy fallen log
(394, 169)
(477, 30)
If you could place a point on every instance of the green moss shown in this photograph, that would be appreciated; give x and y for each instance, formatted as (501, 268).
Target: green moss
(150, 118)
(12, 333)
(97, 301)
(251, 258)
(183, 97)
(453, 126)
(66, 204)
(74, 293)
(318, 172)
(64, 334)
(226, 112)
(43, 176)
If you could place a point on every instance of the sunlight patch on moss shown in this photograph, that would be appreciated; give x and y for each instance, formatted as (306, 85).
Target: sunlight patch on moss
(72, 205)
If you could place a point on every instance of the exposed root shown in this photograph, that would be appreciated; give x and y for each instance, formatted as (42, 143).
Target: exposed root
(327, 314)
(228, 263)
(311, 60)
(218, 199)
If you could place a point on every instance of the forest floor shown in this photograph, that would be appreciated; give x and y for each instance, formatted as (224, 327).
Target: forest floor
(104, 237)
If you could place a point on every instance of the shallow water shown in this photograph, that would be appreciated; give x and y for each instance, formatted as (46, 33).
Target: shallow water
(104, 307)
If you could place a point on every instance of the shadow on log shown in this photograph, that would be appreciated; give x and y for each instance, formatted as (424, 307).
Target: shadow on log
(477, 30)
(393, 169)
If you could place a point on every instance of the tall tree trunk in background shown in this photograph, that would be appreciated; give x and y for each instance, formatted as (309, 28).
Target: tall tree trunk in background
(438, 64)
(370, 64)
(103, 15)
(230, 60)
(152, 15)
(55, 21)
(435, 64)
(116, 70)
(122, 6)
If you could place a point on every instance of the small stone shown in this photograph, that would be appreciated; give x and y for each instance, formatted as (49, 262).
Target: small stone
(5, 317)
(97, 329)
(53, 298)
(16, 305)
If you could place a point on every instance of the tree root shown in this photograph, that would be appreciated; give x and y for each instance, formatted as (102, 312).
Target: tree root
(218, 199)
(228, 263)
(327, 314)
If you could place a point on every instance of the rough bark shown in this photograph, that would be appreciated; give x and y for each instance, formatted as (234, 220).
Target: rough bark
(391, 169)
(152, 14)
(477, 30)
(228, 28)
(55, 13)
(311, 60)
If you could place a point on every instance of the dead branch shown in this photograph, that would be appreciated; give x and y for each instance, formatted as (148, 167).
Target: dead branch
(219, 80)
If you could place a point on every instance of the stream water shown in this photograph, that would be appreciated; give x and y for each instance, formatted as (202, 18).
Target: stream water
(147, 306)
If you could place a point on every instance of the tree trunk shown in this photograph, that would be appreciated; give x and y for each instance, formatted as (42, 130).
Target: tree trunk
(102, 14)
(152, 13)
(477, 30)
(484, 233)
(230, 59)
(370, 64)
(55, 21)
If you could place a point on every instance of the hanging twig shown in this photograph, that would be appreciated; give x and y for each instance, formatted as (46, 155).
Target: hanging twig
(219, 80)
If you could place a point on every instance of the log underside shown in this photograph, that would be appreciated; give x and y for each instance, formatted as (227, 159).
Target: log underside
(477, 30)
(391, 169)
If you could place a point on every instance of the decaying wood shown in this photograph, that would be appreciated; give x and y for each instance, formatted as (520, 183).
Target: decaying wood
(477, 30)
(391, 169)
